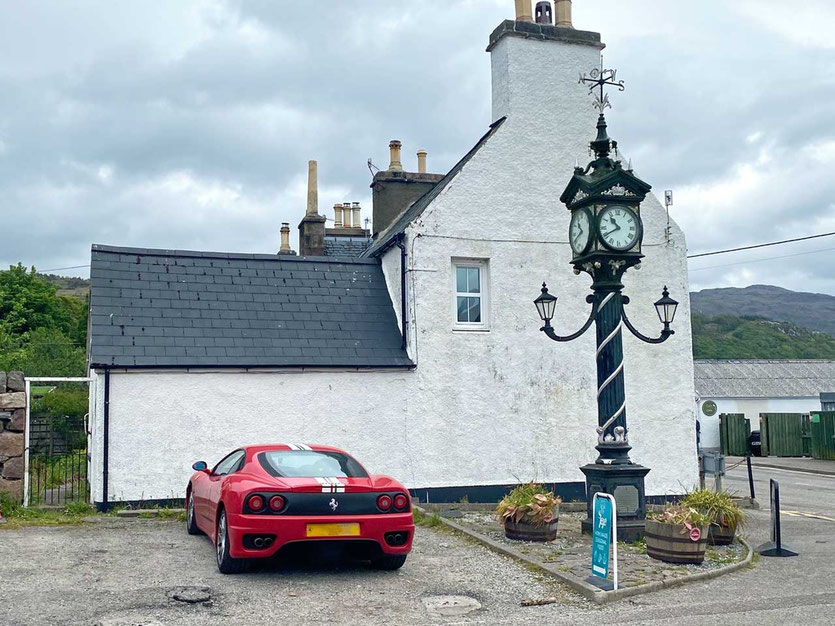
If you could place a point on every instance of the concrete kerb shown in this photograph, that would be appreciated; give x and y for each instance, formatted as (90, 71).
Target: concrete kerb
(588, 591)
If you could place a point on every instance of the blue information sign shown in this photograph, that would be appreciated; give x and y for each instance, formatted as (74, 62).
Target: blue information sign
(601, 536)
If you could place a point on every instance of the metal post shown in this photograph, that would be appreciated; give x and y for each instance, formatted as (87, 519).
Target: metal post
(750, 476)
(612, 440)
(26, 448)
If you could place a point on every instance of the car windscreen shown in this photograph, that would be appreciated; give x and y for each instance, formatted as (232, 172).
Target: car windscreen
(310, 464)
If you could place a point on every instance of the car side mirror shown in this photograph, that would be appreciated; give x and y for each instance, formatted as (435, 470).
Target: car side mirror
(200, 466)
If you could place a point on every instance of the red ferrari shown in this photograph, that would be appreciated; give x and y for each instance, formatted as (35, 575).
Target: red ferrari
(259, 499)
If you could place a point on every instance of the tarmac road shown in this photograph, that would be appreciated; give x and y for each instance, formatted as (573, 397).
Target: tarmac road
(125, 572)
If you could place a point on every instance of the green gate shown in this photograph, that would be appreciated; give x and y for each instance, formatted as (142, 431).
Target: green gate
(823, 435)
(785, 434)
(734, 430)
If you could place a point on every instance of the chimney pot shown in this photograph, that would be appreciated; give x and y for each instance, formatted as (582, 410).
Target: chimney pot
(356, 211)
(564, 13)
(312, 188)
(542, 14)
(337, 216)
(421, 155)
(346, 214)
(394, 149)
(523, 10)
(285, 239)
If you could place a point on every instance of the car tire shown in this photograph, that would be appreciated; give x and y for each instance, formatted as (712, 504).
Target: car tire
(191, 517)
(389, 561)
(225, 563)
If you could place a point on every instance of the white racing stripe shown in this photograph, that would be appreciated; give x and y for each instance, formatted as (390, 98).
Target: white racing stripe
(330, 485)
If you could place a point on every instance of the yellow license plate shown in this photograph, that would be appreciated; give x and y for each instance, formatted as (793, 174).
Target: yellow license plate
(351, 529)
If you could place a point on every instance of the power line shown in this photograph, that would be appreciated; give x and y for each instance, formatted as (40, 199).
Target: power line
(770, 258)
(760, 245)
(58, 269)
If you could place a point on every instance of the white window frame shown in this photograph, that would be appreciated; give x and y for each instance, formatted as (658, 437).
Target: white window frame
(483, 266)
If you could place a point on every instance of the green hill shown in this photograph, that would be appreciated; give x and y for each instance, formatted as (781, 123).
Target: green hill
(748, 337)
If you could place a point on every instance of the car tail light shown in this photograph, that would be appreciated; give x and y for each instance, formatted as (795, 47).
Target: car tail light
(384, 503)
(400, 501)
(276, 503)
(255, 503)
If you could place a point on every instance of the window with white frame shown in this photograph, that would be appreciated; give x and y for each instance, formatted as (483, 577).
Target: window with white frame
(470, 286)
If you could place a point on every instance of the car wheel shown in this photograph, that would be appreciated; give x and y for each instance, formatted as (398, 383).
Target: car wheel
(225, 563)
(389, 561)
(191, 522)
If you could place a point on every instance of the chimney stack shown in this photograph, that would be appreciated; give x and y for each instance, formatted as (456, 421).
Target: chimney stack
(346, 214)
(564, 13)
(542, 14)
(421, 155)
(312, 226)
(356, 211)
(523, 10)
(337, 216)
(394, 148)
(285, 239)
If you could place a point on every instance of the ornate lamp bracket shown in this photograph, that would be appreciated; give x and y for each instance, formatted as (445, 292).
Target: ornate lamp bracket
(666, 332)
(549, 330)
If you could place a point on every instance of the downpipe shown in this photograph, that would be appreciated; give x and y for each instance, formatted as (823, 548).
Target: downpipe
(404, 324)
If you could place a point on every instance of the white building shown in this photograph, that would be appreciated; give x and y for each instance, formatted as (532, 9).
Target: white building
(752, 387)
(201, 352)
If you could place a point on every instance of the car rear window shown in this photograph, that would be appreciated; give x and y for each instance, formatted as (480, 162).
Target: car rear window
(310, 463)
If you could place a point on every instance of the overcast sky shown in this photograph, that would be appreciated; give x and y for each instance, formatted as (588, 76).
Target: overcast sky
(188, 124)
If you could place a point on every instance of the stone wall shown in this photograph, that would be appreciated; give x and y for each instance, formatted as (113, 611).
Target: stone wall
(12, 423)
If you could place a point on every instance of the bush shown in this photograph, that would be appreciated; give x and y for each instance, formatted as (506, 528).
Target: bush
(529, 503)
(717, 506)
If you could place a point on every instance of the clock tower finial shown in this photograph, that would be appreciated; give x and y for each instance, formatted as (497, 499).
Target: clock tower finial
(600, 79)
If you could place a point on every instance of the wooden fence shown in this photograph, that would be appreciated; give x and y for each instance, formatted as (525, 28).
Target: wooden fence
(734, 430)
(785, 434)
(823, 435)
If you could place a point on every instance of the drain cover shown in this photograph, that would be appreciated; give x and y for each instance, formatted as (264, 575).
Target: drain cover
(451, 605)
(190, 595)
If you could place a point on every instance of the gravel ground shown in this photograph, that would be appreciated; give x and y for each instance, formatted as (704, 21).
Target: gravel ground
(571, 549)
(127, 572)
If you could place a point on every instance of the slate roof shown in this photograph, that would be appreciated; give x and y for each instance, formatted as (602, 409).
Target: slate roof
(170, 308)
(411, 213)
(764, 379)
(345, 246)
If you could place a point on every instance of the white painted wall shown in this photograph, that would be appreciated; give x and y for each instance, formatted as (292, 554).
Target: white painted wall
(515, 404)
(751, 408)
(483, 408)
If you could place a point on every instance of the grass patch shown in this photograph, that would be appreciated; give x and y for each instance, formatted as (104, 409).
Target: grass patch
(428, 521)
(17, 516)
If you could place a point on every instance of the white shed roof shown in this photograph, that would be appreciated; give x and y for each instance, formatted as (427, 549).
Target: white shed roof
(763, 378)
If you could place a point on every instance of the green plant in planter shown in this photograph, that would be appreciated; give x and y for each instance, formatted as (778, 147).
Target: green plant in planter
(718, 506)
(530, 504)
(681, 515)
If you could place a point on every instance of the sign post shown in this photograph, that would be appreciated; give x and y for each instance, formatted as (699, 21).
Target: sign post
(604, 534)
(775, 546)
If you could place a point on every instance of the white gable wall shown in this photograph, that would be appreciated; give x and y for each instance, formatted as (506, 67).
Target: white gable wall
(510, 404)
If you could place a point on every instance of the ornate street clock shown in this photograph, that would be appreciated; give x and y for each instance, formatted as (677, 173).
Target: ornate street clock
(606, 230)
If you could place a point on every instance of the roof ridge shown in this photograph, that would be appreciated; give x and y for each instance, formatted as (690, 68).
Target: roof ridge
(198, 254)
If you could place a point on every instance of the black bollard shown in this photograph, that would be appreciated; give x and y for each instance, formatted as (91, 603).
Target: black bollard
(775, 546)
(750, 476)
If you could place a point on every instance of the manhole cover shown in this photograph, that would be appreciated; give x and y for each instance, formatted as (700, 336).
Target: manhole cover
(190, 595)
(451, 605)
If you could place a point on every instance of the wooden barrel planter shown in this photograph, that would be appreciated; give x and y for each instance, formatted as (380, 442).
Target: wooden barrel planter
(523, 531)
(720, 535)
(672, 543)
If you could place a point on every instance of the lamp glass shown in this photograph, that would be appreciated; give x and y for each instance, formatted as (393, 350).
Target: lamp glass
(545, 305)
(666, 308)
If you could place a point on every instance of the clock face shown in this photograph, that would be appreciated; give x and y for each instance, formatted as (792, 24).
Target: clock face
(619, 227)
(579, 232)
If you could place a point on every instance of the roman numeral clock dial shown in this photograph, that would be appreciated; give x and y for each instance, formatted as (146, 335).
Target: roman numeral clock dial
(579, 232)
(619, 228)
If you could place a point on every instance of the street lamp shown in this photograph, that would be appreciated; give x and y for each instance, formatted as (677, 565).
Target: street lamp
(605, 235)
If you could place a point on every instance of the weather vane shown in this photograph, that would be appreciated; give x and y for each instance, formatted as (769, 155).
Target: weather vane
(599, 78)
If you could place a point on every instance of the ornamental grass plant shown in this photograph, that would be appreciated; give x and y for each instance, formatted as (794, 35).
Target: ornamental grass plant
(529, 503)
(718, 506)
